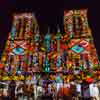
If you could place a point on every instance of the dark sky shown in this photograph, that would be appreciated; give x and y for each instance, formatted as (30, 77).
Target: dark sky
(48, 13)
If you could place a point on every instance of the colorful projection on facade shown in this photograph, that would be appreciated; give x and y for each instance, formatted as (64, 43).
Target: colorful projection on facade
(72, 54)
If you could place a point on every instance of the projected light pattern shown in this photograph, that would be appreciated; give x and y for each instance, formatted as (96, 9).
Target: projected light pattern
(27, 51)
(77, 49)
(18, 50)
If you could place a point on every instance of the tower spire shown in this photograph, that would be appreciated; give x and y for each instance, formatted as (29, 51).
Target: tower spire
(48, 29)
(58, 28)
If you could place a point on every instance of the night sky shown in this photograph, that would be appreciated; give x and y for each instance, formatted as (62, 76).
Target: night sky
(48, 13)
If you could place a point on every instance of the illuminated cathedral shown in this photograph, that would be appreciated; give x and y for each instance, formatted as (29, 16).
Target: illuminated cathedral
(62, 57)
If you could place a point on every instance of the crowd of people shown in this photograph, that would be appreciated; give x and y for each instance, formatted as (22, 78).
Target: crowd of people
(26, 90)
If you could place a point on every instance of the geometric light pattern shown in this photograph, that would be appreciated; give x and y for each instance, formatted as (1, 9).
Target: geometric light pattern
(51, 59)
(18, 50)
(77, 49)
(81, 52)
(84, 43)
(27, 51)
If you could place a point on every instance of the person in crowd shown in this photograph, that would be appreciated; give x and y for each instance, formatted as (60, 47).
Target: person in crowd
(11, 89)
(53, 91)
(94, 92)
(19, 91)
(25, 91)
(31, 91)
(1, 94)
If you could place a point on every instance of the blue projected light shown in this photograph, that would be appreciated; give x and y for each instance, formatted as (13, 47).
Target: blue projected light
(77, 49)
(18, 50)
(13, 32)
